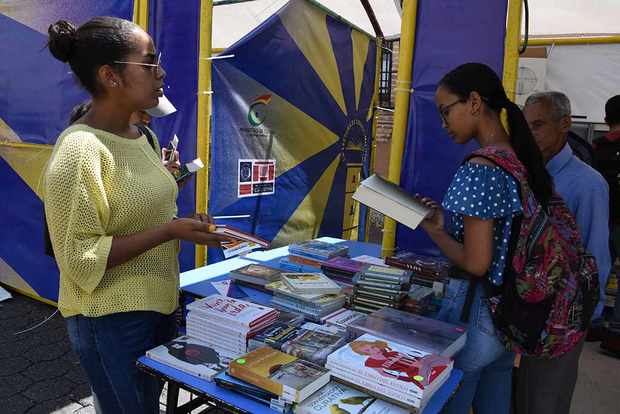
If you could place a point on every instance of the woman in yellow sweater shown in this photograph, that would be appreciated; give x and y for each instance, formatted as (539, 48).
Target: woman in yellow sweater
(110, 206)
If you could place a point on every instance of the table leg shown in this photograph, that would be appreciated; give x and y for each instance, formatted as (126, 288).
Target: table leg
(172, 397)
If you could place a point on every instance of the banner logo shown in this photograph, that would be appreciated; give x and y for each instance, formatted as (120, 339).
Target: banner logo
(258, 110)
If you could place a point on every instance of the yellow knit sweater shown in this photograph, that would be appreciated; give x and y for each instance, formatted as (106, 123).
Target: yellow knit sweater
(97, 186)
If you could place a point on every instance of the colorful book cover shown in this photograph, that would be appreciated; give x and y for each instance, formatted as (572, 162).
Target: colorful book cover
(319, 249)
(344, 264)
(189, 355)
(235, 233)
(279, 373)
(425, 334)
(274, 336)
(236, 311)
(335, 398)
(429, 266)
(313, 345)
(404, 367)
(310, 283)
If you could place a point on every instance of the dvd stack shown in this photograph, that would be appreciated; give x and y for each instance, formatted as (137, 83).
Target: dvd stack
(312, 306)
(428, 281)
(225, 323)
(379, 286)
(342, 270)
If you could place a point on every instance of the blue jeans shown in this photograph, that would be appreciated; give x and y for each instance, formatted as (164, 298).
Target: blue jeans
(485, 362)
(108, 347)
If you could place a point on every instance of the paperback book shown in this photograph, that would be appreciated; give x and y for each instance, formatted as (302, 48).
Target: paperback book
(189, 355)
(256, 274)
(424, 334)
(287, 376)
(310, 283)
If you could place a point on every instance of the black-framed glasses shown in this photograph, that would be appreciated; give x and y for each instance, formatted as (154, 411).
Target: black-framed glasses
(444, 111)
(155, 66)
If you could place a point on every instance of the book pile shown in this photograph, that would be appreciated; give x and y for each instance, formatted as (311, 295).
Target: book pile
(278, 334)
(314, 343)
(401, 374)
(257, 275)
(341, 319)
(336, 398)
(379, 286)
(191, 356)
(312, 306)
(424, 334)
(310, 283)
(225, 323)
(342, 270)
(315, 252)
(245, 388)
(422, 300)
(290, 378)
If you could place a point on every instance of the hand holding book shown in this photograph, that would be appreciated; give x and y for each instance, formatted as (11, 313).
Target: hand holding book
(434, 221)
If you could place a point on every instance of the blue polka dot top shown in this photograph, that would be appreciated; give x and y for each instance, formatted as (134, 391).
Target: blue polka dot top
(486, 192)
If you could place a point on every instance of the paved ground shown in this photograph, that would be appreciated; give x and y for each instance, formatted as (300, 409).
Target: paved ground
(40, 374)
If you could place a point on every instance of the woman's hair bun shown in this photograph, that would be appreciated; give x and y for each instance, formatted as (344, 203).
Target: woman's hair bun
(62, 36)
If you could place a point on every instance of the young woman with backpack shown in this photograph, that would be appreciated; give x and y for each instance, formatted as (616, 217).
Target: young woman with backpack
(482, 201)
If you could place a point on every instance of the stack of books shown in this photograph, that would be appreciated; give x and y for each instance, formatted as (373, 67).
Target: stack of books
(337, 398)
(341, 319)
(422, 300)
(342, 270)
(312, 306)
(425, 334)
(401, 374)
(225, 323)
(256, 275)
(315, 252)
(310, 283)
(290, 378)
(426, 270)
(191, 356)
(379, 286)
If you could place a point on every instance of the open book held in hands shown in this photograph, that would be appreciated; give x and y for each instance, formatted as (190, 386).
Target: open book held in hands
(391, 200)
(235, 233)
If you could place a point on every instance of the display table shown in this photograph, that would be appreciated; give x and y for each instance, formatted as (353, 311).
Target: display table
(198, 283)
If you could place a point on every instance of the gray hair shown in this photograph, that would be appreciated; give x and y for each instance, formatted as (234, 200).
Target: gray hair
(559, 103)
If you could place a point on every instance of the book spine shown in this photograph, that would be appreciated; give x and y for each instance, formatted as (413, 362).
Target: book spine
(246, 375)
(378, 389)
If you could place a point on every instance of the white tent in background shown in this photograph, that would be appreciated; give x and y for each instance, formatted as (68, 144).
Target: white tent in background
(233, 21)
(561, 17)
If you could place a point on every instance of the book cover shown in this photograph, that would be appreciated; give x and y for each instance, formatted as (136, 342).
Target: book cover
(309, 299)
(421, 265)
(424, 334)
(335, 398)
(404, 367)
(344, 264)
(310, 283)
(257, 274)
(189, 355)
(279, 373)
(229, 382)
(391, 200)
(387, 273)
(236, 311)
(313, 345)
(274, 336)
(318, 249)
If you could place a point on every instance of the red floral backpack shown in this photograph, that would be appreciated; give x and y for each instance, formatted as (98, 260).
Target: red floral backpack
(550, 289)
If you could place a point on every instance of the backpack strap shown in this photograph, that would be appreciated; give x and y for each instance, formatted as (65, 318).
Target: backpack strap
(147, 132)
(506, 160)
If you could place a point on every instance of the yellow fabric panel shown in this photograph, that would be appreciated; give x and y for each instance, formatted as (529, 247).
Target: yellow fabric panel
(314, 42)
(298, 136)
(310, 210)
(10, 277)
(6, 133)
(28, 162)
(360, 44)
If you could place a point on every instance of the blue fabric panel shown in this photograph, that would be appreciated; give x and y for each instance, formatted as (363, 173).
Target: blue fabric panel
(449, 33)
(175, 31)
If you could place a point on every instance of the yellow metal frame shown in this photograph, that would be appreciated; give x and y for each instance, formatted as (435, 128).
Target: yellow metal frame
(203, 141)
(141, 13)
(511, 47)
(375, 120)
(401, 112)
(573, 40)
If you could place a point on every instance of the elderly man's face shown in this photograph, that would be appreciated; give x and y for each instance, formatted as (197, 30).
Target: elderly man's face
(550, 133)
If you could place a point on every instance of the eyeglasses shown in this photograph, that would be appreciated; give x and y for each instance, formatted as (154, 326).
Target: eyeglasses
(155, 66)
(444, 111)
